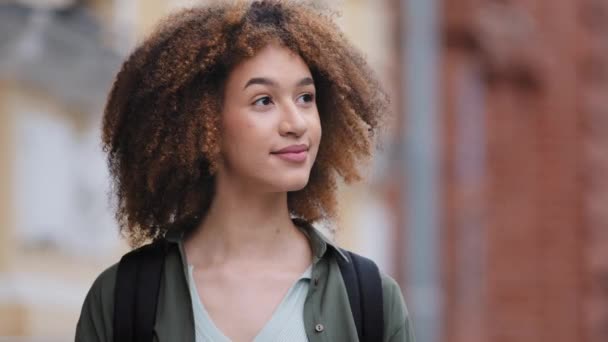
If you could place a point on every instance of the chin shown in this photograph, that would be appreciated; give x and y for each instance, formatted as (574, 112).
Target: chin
(291, 184)
(297, 187)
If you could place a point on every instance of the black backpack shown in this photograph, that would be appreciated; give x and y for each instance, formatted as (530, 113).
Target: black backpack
(140, 272)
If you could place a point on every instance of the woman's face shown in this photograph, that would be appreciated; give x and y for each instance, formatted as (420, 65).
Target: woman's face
(270, 123)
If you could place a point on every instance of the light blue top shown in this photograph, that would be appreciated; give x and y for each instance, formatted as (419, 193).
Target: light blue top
(286, 323)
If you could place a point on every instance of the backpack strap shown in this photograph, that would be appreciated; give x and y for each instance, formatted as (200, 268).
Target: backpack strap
(364, 288)
(136, 292)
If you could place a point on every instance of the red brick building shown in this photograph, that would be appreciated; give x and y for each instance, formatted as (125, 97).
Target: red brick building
(523, 170)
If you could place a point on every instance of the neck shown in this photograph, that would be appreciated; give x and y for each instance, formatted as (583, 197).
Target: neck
(245, 225)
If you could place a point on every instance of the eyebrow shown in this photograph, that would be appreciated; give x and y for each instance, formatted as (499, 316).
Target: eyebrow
(267, 81)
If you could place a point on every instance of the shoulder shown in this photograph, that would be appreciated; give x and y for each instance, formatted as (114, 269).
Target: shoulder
(101, 294)
(392, 297)
(95, 322)
(397, 323)
(104, 283)
(97, 313)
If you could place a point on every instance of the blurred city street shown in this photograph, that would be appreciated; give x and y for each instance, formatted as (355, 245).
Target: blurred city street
(488, 201)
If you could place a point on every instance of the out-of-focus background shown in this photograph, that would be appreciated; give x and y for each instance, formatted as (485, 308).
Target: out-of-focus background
(488, 203)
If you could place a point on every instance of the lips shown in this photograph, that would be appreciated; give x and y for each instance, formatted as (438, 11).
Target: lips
(292, 149)
(293, 153)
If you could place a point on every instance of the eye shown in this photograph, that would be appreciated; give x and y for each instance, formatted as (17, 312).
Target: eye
(263, 101)
(307, 98)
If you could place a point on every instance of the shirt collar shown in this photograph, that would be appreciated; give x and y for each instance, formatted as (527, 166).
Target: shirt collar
(319, 243)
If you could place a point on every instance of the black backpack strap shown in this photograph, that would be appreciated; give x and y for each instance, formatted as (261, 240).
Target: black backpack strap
(364, 288)
(136, 292)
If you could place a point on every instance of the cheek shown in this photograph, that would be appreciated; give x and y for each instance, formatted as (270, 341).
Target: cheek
(243, 137)
(235, 128)
(232, 130)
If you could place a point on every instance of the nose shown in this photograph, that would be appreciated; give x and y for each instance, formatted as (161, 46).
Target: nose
(292, 122)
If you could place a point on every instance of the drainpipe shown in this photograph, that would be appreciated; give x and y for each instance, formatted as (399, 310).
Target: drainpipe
(420, 146)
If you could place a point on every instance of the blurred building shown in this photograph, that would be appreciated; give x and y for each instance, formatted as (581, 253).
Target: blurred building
(502, 233)
(524, 154)
(56, 232)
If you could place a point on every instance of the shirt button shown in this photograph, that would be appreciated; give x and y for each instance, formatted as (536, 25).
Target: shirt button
(319, 328)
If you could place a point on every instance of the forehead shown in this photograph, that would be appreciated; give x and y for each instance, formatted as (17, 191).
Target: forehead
(273, 61)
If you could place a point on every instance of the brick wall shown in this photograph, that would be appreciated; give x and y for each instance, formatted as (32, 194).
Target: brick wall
(593, 110)
(524, 165)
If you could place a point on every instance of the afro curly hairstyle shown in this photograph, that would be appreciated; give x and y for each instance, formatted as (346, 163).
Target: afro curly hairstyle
(161, 120)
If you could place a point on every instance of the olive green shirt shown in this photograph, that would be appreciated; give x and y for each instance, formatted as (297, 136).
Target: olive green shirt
(327, 314)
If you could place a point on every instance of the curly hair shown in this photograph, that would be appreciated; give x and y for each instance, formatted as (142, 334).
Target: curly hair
(162, 117)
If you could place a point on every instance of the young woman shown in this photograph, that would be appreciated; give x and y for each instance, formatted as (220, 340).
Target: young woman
(226, 132)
